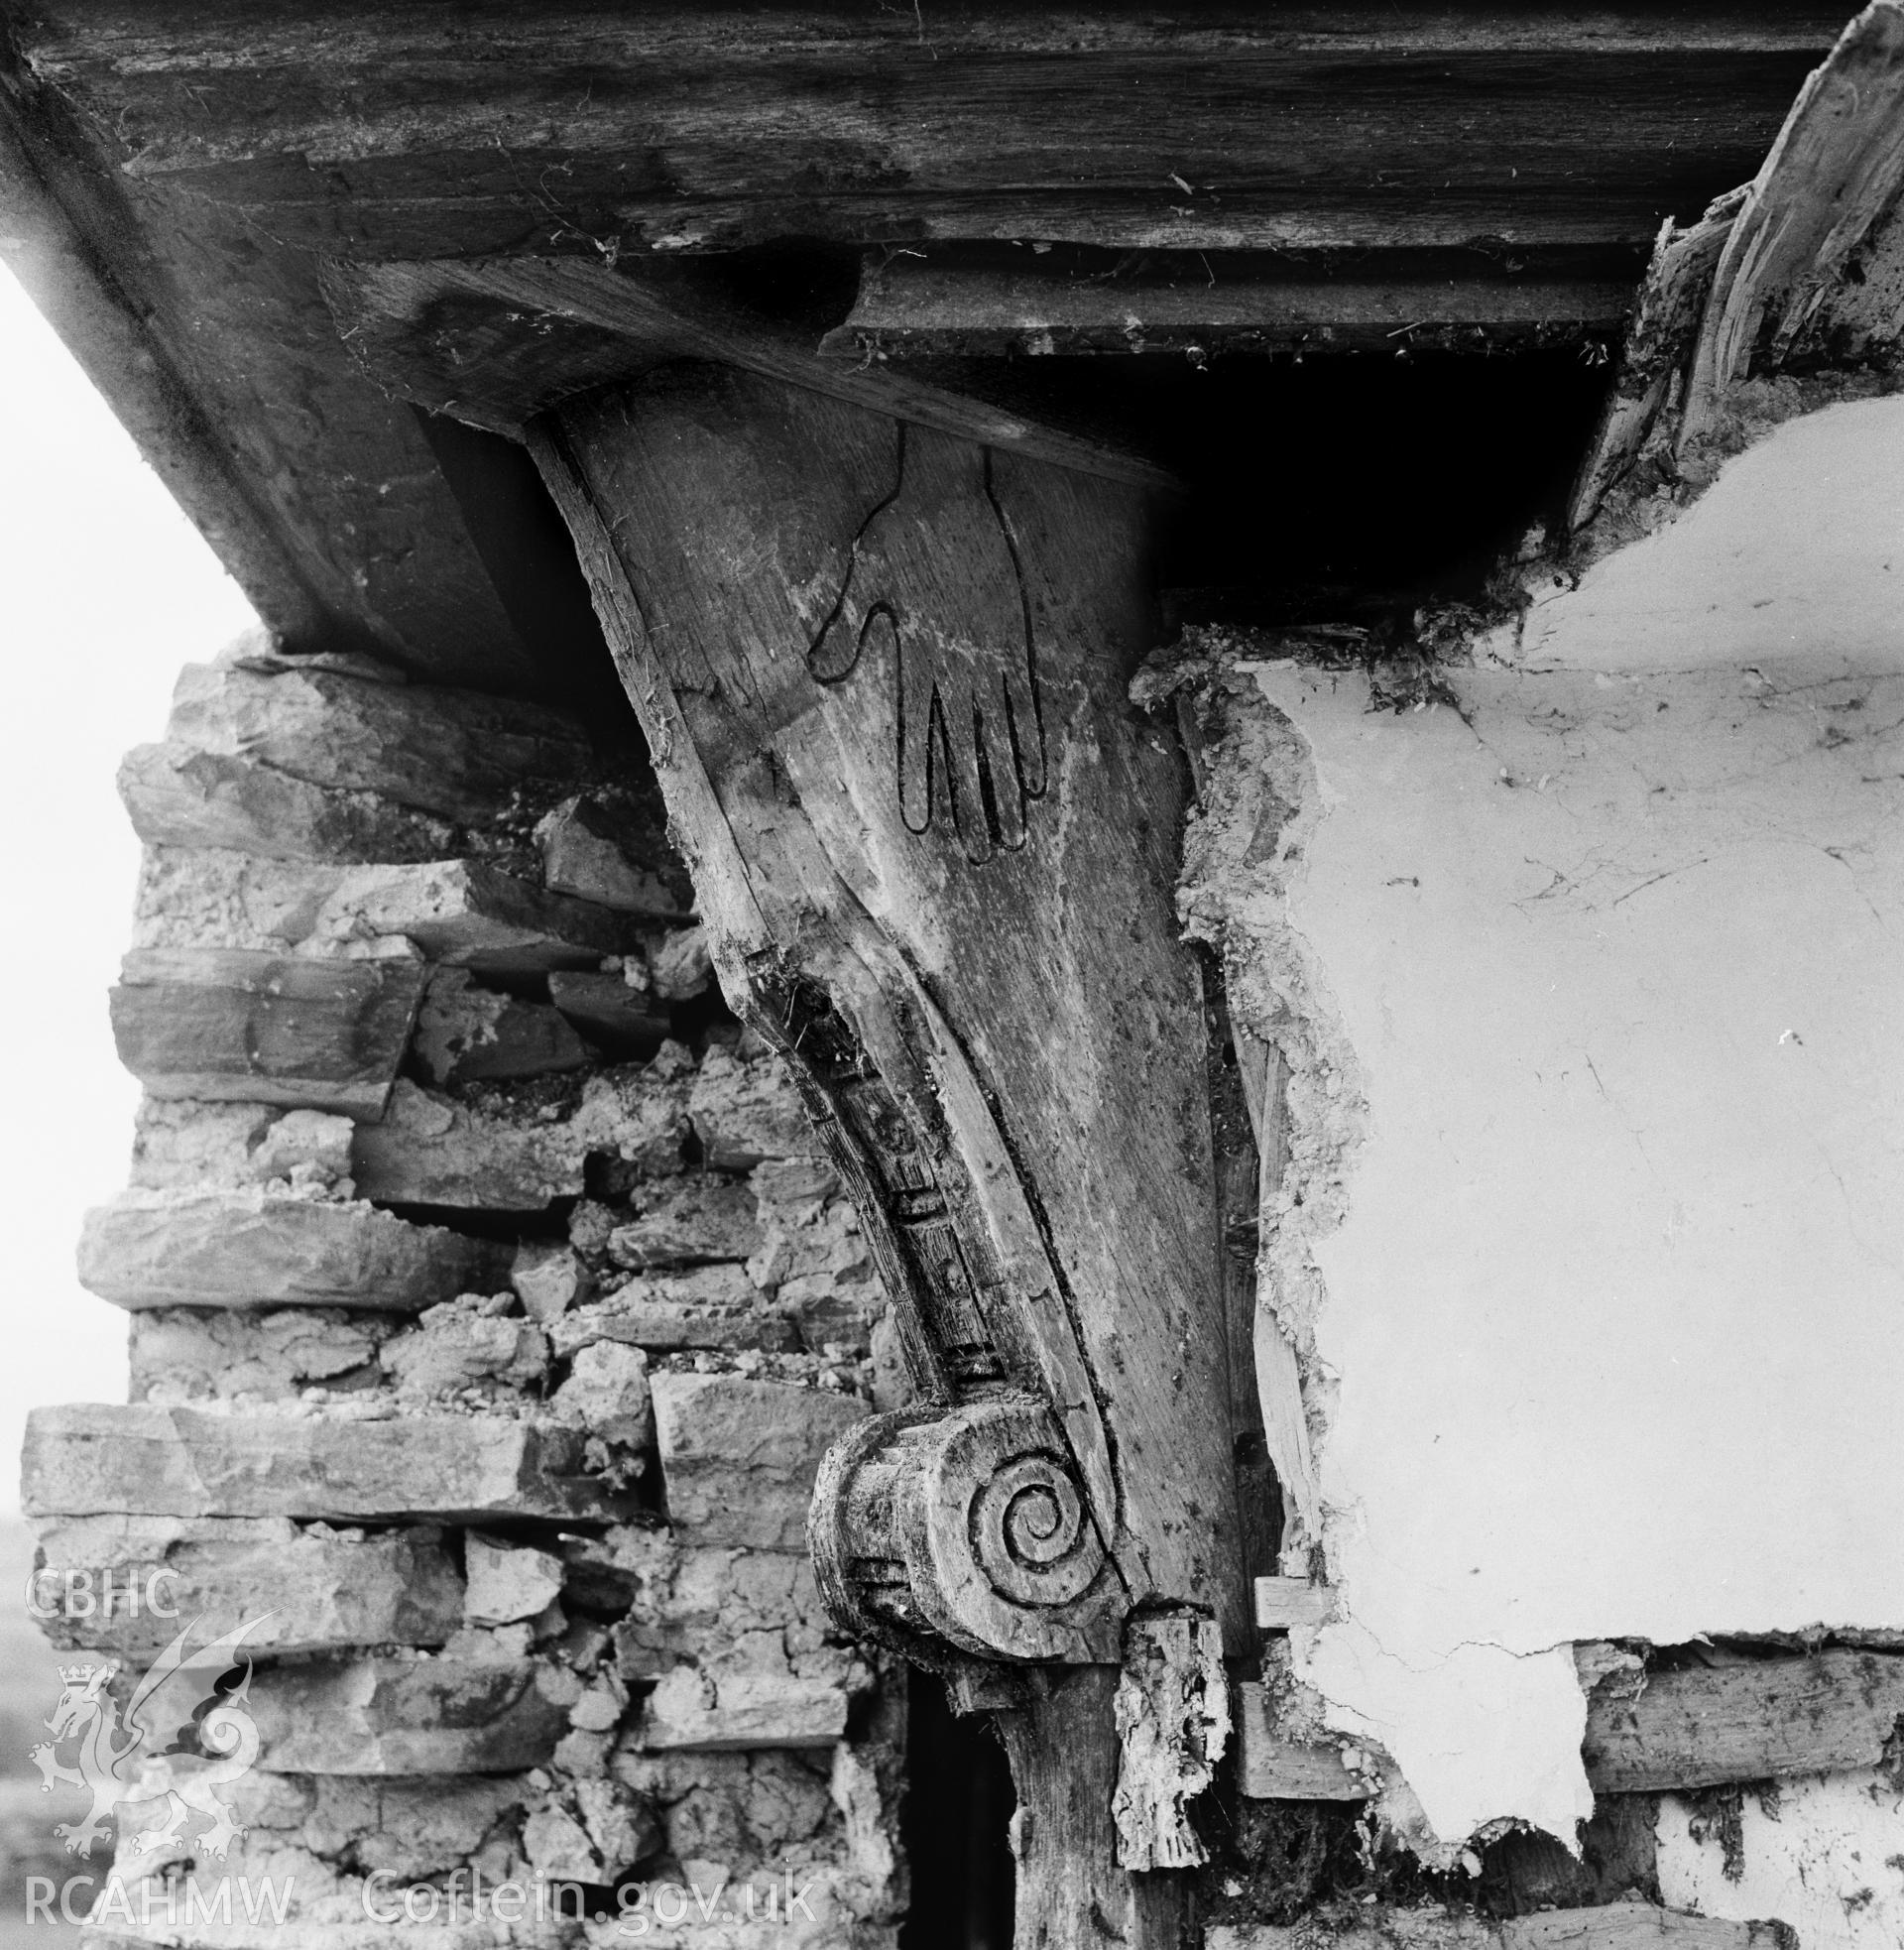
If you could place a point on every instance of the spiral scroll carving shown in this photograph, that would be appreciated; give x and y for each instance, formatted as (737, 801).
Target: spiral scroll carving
(966, 1531)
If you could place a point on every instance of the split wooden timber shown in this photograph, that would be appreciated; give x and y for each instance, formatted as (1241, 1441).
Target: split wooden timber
(1803, 267)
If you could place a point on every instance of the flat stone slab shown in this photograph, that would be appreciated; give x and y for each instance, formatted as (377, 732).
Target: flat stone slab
(389, 1716)
(221, 1025)
(695, 1711)
(739, 1456)
(251, 1249)
(468, 913)
(94, 1459)
(179, 796)
(325, 1589)
(456, 754)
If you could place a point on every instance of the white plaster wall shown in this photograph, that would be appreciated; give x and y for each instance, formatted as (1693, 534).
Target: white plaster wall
(1617, 1311)
(1825, 1856)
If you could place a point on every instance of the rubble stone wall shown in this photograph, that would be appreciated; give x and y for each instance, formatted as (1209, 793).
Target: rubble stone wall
(492, 1305)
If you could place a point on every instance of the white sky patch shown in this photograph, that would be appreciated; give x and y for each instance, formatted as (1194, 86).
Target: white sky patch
(105, 590)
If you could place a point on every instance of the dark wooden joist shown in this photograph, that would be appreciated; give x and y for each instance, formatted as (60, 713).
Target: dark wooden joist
(411, 131)
(494, 341)
(1011, 300)
(212, 344)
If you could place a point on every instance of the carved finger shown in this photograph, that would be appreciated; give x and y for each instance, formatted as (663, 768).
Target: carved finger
(836, 650)
(924, 768)
(965, 724)
(1024, 724)
(991, 735)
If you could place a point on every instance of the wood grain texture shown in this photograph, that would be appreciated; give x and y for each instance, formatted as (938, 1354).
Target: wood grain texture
(1072, 1895)
(401, 132)
(1833, 175)
(495, 340)
(995, 303)
(1764, 1720)
(885, 689)
(211, 342)
(1616, 1926)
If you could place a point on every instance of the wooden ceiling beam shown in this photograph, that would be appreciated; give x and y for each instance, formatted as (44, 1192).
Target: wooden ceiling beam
(413, 131)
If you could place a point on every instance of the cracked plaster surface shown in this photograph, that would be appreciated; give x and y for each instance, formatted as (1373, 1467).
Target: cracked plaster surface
(1609, 1328)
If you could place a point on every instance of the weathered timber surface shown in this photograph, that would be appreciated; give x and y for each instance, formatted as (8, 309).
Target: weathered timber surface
(211, 342)
(390, 1716)
(1617, 1926)
(92, 1459)
(1800, 242)
(1070, 1888)
(1698, 1727)
(1705, 1725)
(396, 132)
(994, 303)
(1802, 268)
(250, 1249)
(934, 852)
(491, 341)
(1273, 1767)
(249, 1026)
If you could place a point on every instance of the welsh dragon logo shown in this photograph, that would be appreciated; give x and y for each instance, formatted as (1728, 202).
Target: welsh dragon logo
(206, 1739)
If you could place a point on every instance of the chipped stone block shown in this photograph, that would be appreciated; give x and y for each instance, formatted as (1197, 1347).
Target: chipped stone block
(606, 1394)
(548, 1279)
(609, 1012)
(261, 1028)
(742, 1809)
(390, 1716)
(472, 915)
(691, 1220)
(746, 1112)
(558, 1848)
(620, 1824)
(590, 852)
(410, 1828)
(310, 1150)
(177, 795)
(256, 1248)
(92, 1458)
(709, 1306)
(692, 1711)
(455, 754)
(728, 1609)
(466, 1033)
(324, 1588)
(464, 1342)
(430, 1149)
(468, 913)
(181, 1144)
(180, 1353)
(638, 1113)
(508, 1581)
(680, 967)
(739, 1456)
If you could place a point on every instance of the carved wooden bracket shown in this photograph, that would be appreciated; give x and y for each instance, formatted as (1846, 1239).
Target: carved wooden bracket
(884, 669)
(969, 1530)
